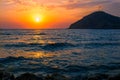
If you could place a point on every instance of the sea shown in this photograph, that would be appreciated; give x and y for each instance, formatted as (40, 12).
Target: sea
(70, 52)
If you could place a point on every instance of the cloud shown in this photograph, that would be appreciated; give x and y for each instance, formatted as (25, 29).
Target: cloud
(79, 4)
(18, 2)
(112, 8)
(6, 2)
(53, 4)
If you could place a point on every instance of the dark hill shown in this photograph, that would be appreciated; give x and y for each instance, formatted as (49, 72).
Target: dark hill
(97, 20)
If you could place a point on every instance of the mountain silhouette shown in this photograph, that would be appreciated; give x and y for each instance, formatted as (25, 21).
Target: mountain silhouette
(97, 20)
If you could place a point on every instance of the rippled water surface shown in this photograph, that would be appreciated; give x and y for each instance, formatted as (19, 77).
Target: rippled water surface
(70, 52)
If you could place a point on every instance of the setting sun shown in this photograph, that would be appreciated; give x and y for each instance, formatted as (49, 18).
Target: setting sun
(37, 19)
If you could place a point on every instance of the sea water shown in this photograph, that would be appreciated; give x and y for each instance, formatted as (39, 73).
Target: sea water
(70, 52)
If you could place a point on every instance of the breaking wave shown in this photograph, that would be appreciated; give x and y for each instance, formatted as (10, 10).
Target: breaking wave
(48, 46)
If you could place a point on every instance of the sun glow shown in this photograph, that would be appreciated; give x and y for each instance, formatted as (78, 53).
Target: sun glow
(38, 19)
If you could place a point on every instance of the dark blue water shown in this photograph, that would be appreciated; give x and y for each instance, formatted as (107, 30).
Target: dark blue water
(68, 52)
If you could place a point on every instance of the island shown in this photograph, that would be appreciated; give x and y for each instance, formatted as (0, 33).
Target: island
(97, 20)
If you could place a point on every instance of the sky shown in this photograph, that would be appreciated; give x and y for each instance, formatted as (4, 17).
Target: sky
(50, 14)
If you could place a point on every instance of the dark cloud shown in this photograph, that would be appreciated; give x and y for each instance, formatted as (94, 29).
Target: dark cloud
(113, 8)
(78, 4)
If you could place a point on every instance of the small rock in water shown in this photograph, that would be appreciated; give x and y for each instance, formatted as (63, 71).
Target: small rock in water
(6, 75)
(55, 76)
(99, 77)
(28, 76)
(117, 77)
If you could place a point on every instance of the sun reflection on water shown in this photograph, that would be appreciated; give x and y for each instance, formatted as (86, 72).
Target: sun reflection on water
(41, 38)
(36, 55)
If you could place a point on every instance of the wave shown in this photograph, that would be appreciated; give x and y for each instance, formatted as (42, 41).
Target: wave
(12, 59)
(74, 71)
(34, 34)
(107, 67)
(16, 45)
(78, 67)
(98, 44)
(23, 34)
(58, 46)
(103, 43)
(55, 46)
(5, 34)
(48, 46)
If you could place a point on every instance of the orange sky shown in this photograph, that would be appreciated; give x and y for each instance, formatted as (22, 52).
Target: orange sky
(22, 14)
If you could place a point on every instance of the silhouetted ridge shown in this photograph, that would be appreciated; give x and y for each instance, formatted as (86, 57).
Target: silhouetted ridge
(97, 20)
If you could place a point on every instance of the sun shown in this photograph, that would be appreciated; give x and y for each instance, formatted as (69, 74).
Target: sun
(37, 19)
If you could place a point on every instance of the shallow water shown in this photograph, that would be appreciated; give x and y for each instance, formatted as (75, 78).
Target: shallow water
(69, 52)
